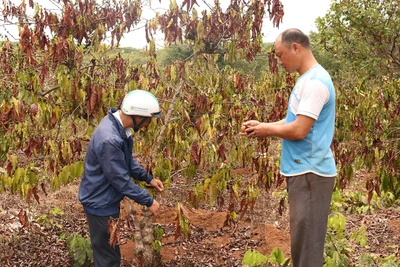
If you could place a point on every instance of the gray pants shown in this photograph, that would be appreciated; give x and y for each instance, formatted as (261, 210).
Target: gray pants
(103, 254)
(309, 203)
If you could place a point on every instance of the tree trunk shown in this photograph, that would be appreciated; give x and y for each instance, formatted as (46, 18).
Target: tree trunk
(142, 224)
(143, 232)
(144, 252)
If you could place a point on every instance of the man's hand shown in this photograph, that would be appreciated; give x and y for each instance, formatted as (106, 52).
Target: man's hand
(157, 184)
(154, 209)
(246, 125)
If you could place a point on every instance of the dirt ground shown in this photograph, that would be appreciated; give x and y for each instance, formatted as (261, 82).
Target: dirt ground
(211, 244)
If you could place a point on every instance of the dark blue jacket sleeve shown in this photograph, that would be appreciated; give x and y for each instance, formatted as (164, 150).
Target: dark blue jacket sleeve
(138, 173)
(116, 171)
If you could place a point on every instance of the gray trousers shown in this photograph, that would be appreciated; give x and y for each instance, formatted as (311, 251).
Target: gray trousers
(309, 204)
(103, 254)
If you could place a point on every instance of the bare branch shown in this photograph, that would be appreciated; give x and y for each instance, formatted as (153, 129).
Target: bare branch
(173, 102)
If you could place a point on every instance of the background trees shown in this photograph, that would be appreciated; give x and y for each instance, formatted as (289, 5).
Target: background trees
(363, 37)
(363, 34)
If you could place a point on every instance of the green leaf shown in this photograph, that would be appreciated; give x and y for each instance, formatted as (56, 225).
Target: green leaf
(254, 258)
(277, 257)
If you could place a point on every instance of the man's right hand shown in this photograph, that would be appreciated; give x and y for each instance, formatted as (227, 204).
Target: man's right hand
(246, 125)
(154, 209)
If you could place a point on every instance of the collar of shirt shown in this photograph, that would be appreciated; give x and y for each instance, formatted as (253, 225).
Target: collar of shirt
(127, 130)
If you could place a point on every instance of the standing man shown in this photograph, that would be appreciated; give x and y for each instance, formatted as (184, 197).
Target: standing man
(307, 160)
(108, 169)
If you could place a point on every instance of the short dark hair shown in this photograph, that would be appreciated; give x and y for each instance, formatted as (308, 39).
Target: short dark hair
(293, 35)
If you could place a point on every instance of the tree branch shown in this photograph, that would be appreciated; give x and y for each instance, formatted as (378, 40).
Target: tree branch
(173, 102)
(57, 86)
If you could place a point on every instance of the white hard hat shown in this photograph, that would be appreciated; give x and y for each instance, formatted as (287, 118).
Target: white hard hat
(141, 103)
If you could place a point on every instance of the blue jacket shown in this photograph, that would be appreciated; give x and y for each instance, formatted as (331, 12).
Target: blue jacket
(109, 166)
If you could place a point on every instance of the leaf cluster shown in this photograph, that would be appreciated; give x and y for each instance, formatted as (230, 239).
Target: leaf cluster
(81, 250)
(235, 31)
(253, 258)
(338, 246)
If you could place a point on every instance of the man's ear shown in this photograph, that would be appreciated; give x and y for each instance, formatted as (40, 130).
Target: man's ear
(296, 47)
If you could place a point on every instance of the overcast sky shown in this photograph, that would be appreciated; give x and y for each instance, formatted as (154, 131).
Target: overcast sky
(298, 14)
